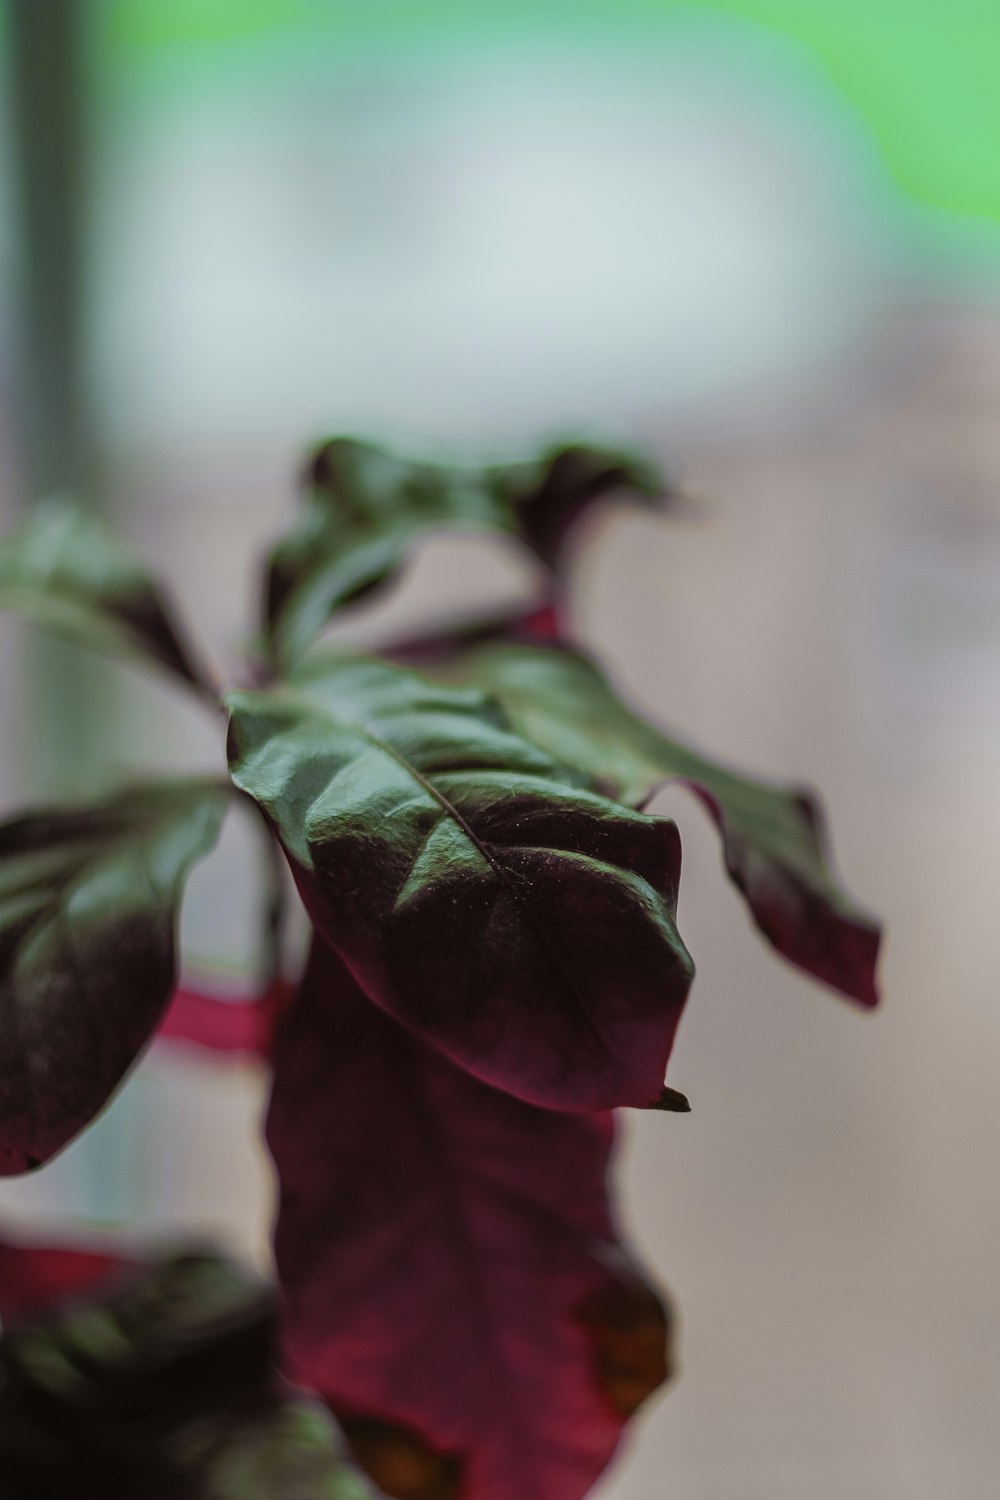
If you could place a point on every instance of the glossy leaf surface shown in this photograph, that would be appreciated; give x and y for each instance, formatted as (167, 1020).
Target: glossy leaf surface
(64, 569)
(365, 509)
(480, 892)
(162, 1387)
(453, 1283)
(773, 837)
(88, 907)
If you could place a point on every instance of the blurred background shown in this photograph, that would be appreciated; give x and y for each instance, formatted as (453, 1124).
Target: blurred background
(761, 238)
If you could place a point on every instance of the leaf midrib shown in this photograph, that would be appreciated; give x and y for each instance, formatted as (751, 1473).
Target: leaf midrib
(49, 913)
(531, 921)
(50, 909)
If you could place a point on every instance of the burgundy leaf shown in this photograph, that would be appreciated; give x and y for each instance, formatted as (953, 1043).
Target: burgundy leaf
(453, 1283)
(35, 1276)
(480, 892)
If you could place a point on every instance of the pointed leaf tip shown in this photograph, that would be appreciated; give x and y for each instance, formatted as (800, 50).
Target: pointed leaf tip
(66, 570)
(672, 1101)
(365, 509)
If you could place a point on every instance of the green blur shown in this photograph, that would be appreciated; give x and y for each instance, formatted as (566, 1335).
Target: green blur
(922, 74)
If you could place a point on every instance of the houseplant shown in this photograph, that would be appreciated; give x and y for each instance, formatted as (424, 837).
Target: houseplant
(495, 967)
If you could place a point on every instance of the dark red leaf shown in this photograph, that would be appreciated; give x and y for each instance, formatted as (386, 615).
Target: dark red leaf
(37, 1275)
(453, 1283)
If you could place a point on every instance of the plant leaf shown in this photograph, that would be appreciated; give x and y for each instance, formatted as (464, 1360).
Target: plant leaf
(452, 1281)
(163, 1386)
(88, 902)
(480, 892)
(547, 498)
(66, 570)
(773, 836)
(33, 1276)
(283, 1449)
(365, 509)
(151, 1337)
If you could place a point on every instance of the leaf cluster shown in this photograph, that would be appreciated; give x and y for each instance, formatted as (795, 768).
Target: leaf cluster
(153, 1380)
(495, 966)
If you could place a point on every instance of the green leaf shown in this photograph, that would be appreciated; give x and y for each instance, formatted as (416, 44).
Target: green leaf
(88, 907)
(286, 1451)
(773, 838)
(481, 892)
(66, 570)
(148, 1339)
(163, 1386)
(365, 509)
